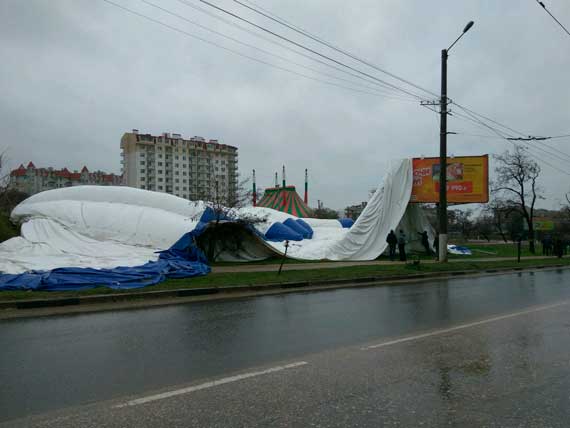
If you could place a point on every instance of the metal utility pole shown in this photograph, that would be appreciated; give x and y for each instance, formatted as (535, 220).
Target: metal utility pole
(443, 101)
(442, 256)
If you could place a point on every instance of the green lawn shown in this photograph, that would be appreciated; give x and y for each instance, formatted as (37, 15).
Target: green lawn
(484, 251)
(310, 274)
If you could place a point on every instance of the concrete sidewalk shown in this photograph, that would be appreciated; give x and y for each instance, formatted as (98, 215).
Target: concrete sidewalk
(331, 265)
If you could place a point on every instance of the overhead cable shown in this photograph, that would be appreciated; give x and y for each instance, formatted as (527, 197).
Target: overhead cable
(525, 148)
(553, 17)
(284, 46)
(274, 54)
(178, 30)
(253, 24)
(305, 33)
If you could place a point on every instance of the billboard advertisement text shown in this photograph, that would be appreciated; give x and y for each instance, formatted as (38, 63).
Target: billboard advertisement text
(467, 179)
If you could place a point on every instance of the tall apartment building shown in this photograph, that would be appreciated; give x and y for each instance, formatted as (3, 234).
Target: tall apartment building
(189, 168)
(33, 180)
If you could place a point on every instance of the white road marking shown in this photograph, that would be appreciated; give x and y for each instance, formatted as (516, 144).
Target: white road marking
(207, 385)
(464, 326)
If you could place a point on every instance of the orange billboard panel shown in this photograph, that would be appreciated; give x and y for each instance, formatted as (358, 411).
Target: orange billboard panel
(467, 179)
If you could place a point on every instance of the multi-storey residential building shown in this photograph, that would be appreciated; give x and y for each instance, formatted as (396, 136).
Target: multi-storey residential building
(189, 168)
(32, 180)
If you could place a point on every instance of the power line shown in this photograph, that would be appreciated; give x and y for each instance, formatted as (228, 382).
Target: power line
(540, 140)
(305, 33)
(178, 30)
(490, 120)
(273, 54)
(553, 17)
(267, 14)
(478, 135)
(307, 48)
(275, 18)
(521, 146)
(283, 46)
(510, 139)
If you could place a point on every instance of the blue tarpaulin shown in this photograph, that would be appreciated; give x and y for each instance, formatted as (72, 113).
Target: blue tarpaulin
(306, 226)
(346, 222)
(279, 232)
(298, 228)
(182, 260)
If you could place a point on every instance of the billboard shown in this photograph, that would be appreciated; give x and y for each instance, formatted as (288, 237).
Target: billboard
(467, 179)
(543, 224)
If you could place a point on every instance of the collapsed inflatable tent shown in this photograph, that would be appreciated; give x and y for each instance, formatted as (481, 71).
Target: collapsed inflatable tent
(117, 231)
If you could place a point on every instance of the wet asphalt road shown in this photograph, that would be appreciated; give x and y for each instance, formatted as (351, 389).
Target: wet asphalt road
(510, 371)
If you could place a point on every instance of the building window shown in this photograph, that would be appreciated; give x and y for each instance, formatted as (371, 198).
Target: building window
(177, 188)
(160, 164)
(159, 187)
(142, 162)
(142, 187)
(176, 180)
(160, 156)
(143, 178)
(143, 171)
(160, 171)
(176, 173)
(160, 179)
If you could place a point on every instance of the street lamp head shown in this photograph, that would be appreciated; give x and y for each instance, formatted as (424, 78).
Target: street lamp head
(468, 26)
(465, 30)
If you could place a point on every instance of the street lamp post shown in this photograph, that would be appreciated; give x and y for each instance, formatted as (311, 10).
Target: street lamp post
(442, 256)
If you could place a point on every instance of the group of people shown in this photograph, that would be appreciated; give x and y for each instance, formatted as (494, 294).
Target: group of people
(401, 240)
(553, 247)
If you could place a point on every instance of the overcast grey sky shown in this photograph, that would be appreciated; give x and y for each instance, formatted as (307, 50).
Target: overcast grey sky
(76, 74)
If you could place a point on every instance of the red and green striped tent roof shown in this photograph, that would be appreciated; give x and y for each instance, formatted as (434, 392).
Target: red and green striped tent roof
(286, 200)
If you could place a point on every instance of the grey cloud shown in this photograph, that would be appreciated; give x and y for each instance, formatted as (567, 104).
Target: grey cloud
(77, 74)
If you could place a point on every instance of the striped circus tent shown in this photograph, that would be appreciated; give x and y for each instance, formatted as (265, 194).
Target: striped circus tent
(285, 199)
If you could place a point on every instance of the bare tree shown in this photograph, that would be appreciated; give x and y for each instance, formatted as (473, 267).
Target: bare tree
(228, 227)
(566, 208)
(4, 175)
(517, 176)
(460, 221)
(499, 212)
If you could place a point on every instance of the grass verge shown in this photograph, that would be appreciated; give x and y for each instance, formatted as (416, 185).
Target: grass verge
(220, 280)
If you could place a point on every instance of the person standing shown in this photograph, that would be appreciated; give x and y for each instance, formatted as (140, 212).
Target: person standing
(392, 241)
(436, 246)
(425, 241)
(402, 245)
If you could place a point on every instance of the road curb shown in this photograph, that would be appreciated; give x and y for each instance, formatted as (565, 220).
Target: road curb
(259, 288)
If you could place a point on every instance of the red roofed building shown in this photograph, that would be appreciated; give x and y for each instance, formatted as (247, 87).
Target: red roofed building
(33, 180)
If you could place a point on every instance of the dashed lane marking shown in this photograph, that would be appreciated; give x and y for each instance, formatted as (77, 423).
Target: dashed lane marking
(207, 385)
(465, 326)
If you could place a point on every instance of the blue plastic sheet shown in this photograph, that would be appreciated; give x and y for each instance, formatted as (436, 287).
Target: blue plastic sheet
(278, 232)
(292, 224)
(182, 260)
(346, 222)
(306, 226)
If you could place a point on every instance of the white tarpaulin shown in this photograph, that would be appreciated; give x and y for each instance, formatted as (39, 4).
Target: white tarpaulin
(99, 226)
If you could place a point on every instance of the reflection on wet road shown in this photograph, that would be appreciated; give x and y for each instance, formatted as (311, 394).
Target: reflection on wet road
(57, 362)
